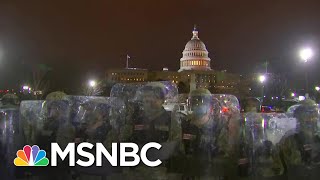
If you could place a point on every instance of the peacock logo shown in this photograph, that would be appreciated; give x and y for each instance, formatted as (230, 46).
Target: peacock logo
(31, 156)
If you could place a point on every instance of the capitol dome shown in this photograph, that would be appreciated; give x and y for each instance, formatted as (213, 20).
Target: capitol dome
(195, 55)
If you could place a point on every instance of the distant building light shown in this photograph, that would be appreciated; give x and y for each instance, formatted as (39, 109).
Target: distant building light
(25, 87)
(301, 98)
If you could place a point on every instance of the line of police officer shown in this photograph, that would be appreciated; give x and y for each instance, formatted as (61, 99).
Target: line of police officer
(208, 142)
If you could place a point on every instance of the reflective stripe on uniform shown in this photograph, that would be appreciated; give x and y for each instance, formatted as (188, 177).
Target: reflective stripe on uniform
(140, 127)
(188, 136)
(162, 127)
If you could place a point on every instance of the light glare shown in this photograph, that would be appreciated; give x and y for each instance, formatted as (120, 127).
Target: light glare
(262, 78)
(92, 83)
(306, 54)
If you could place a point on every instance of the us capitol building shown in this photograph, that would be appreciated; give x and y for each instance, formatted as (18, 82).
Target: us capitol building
(195, 71)
(195, 55)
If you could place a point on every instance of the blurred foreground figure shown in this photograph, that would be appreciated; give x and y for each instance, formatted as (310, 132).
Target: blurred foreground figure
(300, 148)
(9, 101)
(259, 158)
(204, 140)
(151, 123)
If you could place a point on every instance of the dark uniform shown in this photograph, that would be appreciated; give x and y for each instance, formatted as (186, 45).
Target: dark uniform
(300, 148)
(151, 123)
(259, 157)
(204, 141)
(155, 130)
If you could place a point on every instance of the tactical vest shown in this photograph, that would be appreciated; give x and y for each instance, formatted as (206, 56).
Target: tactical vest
(309, 155)
(157, 130)
(201, 151)
(199, 142)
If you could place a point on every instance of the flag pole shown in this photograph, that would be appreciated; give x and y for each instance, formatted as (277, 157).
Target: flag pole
(127, 62)
(266, 66)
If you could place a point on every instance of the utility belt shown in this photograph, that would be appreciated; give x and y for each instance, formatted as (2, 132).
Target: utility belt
(194, 145)
(304, 172)
(146, 133)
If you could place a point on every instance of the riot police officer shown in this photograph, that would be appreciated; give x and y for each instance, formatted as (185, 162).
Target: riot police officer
(263, 160)
(300, 148)
(9, 101)
(259, 158)
(204, 139)
(150, 123)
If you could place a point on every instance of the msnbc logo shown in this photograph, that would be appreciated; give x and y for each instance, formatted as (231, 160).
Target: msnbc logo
(31, 156)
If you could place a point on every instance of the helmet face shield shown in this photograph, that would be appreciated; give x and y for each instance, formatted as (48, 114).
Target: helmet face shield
(196, 101)
(200, 105)
(307, 117)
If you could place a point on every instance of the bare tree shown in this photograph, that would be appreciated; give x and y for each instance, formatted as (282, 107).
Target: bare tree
(280, 85)
(40, 80)
(95, 90)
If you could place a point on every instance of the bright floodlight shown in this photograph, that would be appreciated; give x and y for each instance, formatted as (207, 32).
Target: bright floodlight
(92, 83)
(306, 54)
(293, 94)
(317, 88)
(262, 78)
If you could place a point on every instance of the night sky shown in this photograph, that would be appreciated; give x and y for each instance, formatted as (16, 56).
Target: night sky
(81, 39)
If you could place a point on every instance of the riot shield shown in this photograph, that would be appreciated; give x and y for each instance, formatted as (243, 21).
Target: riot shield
(263, 156)
(230, 113)
(11, 139)
(203, 145)
(126, 91)
(169, 89)
(151, 122)
(300, 148)
(229, 103)
(32, 119)
(277, 125)
(91, 114)
(99, 119)
(75, 108)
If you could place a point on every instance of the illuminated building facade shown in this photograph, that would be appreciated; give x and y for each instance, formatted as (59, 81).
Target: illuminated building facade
(195, 63)
(127, 75)
(195, 55)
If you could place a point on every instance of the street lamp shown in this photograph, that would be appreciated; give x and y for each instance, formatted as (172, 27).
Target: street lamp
(317, 88)
(92, 83)
(305, 55)
(262, 79)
